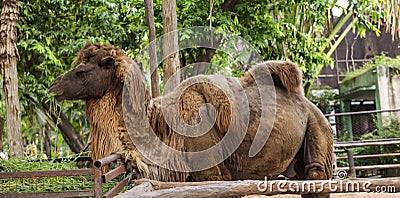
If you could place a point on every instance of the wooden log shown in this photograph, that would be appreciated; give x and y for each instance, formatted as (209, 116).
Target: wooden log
(159, 185)
(248, 187)
(136, 191)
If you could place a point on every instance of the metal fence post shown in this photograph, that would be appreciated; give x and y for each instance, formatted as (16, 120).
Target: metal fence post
(350, 158)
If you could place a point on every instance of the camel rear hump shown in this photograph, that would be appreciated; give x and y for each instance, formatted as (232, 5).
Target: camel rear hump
(285, 74)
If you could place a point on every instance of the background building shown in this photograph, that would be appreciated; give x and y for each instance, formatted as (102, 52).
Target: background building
(374, 90)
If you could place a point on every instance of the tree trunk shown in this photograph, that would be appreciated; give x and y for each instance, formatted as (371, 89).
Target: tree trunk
(8, 63)
(68, 132)
(155, 88)
(170, 41)
(46, 142)
(1, 133)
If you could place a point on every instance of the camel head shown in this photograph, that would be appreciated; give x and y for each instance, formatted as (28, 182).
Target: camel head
(100, 68)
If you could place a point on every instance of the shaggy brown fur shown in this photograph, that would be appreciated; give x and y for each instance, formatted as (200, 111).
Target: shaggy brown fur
(300, 144)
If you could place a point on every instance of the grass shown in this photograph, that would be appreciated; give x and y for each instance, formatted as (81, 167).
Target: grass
(47, 184)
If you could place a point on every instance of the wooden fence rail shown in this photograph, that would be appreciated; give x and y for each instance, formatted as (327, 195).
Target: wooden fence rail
(100, 178)
(347, 146)
(10, 178)
(371, 156)
(362, 143)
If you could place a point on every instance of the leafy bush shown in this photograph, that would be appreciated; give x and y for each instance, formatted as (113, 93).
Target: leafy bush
(392, 130)
(324, 97)
(377, 61)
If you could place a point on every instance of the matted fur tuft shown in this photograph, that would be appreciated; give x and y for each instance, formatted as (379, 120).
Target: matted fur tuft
(122, 62)
(285, 74)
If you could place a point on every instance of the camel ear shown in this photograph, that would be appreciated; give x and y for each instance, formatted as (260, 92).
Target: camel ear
(107, 62)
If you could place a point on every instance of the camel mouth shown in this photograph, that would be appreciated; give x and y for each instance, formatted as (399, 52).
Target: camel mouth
(56, 93)
(60, 98)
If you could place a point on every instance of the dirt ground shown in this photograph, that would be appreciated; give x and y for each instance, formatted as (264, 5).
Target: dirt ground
(336, 195)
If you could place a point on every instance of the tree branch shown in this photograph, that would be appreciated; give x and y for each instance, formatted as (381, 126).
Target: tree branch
(230, 5)
(68, 132)
(227, 6)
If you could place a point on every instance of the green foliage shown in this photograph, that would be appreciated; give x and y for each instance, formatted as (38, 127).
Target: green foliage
(344, 135)
(47, 184)
(300, 31)
(369, 13)
(323, 97)
(50, 33)
(391, 130)
(20, 165)
(377, 61)
(50, 184)
(274, 29)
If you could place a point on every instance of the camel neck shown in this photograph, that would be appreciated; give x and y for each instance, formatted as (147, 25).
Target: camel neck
(105, 118)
